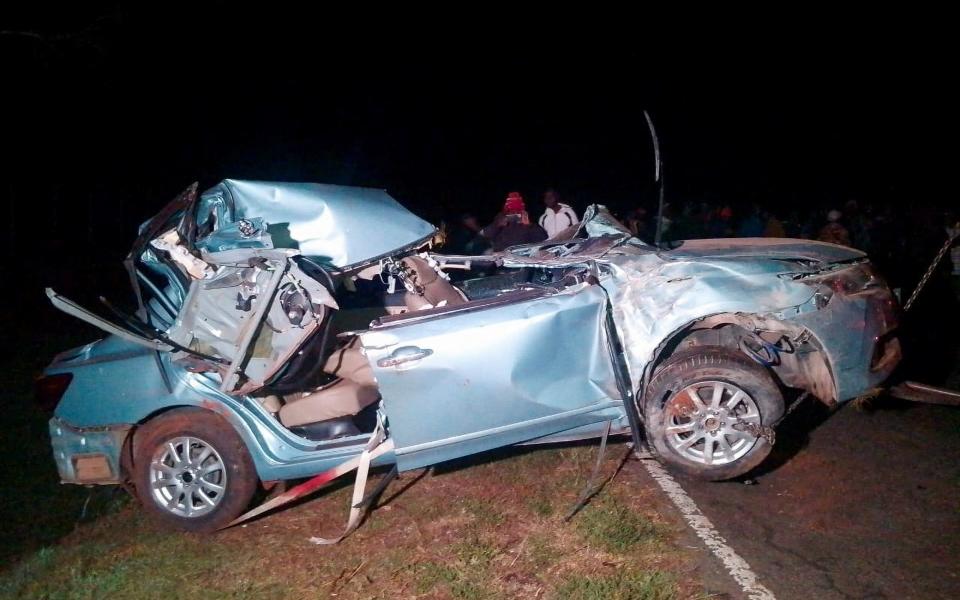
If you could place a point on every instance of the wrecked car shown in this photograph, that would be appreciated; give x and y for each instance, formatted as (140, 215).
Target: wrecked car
(240, 368)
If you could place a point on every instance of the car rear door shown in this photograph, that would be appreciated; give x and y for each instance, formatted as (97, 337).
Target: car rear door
(485, 374)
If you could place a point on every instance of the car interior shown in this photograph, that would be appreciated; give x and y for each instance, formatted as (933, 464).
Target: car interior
(328, 389)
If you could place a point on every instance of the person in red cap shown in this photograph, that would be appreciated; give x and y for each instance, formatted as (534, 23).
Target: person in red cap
(512, 226)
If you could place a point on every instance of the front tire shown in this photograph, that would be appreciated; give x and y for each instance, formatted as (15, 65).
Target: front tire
(192, 470)
(699, 408)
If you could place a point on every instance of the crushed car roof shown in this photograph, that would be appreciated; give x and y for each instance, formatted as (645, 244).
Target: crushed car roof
(340, 225)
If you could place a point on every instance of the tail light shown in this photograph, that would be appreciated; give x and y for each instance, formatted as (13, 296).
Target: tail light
(49, 389)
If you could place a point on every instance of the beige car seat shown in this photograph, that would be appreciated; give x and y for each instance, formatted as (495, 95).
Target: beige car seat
(436, 289)
(352, 392)
(356, 387)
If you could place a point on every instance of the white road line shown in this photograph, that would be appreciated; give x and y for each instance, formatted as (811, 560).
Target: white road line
(701, 525)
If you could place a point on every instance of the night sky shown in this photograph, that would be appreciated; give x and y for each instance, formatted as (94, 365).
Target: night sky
(116, 109)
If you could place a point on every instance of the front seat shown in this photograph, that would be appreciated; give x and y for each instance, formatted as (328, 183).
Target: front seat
(435, 288)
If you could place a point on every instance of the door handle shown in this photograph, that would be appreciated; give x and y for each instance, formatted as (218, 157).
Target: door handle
(404, 354)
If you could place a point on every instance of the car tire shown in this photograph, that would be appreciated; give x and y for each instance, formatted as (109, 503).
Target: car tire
(711, 439)
(192, 471)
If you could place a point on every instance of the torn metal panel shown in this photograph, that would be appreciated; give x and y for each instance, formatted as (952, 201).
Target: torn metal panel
(776, 248)
(243, 234)
(255, 312)
(178, 213)
(597, 221)
(655, 296)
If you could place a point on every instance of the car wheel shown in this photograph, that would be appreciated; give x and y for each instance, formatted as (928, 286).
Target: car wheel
(699, 409)
(192, 470)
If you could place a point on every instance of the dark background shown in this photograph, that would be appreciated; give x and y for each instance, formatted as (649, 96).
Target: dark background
(115, 109)
(112, 109)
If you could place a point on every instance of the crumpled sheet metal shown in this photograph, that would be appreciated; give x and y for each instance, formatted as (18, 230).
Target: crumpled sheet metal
(243, 234)
(543, 362)
(597, 221)
(342, 226)
(652, 297)
(214, 322)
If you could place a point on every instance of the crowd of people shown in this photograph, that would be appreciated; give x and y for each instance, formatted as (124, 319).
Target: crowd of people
(512, 225)
(901, 239)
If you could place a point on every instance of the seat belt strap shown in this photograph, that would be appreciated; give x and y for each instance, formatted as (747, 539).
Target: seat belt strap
(374, 448)
(357, 506)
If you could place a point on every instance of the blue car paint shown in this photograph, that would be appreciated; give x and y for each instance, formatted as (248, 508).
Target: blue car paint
(105, 394)
(534, 367)
(339, 225)
(655, 295)
(70, 443)
(512, 350)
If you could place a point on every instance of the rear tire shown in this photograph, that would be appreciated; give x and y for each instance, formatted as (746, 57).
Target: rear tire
(192, 471)
(693, 403)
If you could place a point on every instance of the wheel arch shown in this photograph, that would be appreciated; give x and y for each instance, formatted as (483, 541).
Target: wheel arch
(807, 367)
(129, 448)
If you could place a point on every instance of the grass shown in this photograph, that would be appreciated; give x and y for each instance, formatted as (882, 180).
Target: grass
(614, 527)
(485, 527)
(486, 543)
(118, 568)
(624, 585)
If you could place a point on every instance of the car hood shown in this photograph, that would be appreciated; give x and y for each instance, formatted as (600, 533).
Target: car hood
(338, 225)
(776, 248)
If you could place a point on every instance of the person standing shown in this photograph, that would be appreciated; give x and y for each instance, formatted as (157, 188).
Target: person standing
(512, 226)
(834, 232)
(558, 216)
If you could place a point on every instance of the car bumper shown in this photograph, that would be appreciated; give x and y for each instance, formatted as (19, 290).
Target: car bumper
(87, 456)
(858, 332)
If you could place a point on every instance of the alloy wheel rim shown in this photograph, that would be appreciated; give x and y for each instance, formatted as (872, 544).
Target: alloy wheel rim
(187, 477)
(700, 422)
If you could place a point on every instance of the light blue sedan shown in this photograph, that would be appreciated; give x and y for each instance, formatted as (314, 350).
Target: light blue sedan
(240, 366)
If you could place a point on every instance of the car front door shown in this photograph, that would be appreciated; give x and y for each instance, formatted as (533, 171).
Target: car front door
(490, 373)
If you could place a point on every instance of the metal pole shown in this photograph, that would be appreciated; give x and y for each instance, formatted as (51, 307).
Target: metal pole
(657, 176)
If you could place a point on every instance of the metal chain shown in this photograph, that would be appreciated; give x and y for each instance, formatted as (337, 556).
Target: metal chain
(793, 407)
(932, 267)
(767, 432)
(756, 430)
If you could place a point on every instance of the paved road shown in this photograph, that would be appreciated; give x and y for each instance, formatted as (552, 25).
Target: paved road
(864, 505)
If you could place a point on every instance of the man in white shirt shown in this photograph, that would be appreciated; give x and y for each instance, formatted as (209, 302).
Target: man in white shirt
(558, 215)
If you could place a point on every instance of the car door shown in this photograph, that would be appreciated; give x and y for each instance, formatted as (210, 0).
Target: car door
(492, 373)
